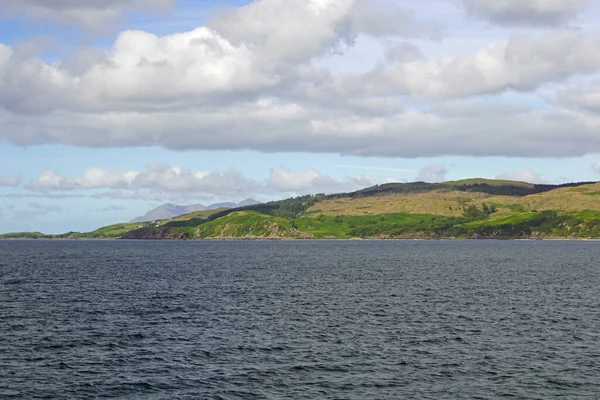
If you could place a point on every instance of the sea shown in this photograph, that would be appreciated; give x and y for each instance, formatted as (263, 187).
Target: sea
(299, 319)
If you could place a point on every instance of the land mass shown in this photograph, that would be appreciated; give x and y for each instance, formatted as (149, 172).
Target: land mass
(473, 208)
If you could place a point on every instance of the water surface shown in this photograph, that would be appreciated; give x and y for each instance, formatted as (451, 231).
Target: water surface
(299, 320)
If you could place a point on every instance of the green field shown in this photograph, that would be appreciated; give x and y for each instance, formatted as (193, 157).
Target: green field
(247, 224)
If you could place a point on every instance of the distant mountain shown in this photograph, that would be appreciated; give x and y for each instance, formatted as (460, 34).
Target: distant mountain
(248, 202)
(167, 211)
(221, 205)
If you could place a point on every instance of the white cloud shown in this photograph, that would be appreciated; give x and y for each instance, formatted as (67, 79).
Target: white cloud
(96, 15)
(584, 95)
(293, 181)
(525, 175)
(432, 173)
(157, 178)
(44, 195)
(245, 54)
(521, 63)
(92, 178)
(11, 181)
(158, 182)
(388, 18)
(312, 181)
(293, 31)
(525, 12)
(246, 80)
(373, 168)
(519, 132)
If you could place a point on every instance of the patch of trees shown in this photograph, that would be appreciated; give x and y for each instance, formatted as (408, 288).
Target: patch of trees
(514, 190)
(424, 187)
(186, 223)
(473, 212)
(390, 188)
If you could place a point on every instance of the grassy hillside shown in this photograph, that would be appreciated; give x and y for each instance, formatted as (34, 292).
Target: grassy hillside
(474, 208)
(247, 224)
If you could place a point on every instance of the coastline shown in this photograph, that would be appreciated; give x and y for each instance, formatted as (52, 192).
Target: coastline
(268, 239)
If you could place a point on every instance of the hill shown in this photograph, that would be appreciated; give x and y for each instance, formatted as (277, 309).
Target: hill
(475, 208)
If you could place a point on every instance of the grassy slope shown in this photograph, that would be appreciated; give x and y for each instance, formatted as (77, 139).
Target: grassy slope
(247, 224)
(451, 203)
(356, 226)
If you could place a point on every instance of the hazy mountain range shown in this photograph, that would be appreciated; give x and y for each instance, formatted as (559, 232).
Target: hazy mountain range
(167, 211)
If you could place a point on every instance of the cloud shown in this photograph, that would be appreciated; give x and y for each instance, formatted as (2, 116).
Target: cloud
(92, 178)
(157, 178)
(373, 168)
(110, 208)
(596, 168)
(432, 173)
(585, 96)
(403, 52)
(525, 12)
(525, 175)
(248, 81)
(521, 63)
(10, 181)
(43, 196)
(387, 18)
(312, 181)
(238, 55)
(95, 15)
(297, 30)
(201, 69)
(517, 132)
(159, 181)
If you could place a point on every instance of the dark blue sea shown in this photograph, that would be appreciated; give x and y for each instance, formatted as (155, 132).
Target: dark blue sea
(299, 320)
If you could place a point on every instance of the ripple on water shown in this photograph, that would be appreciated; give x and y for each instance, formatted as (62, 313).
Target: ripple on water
(299, 320)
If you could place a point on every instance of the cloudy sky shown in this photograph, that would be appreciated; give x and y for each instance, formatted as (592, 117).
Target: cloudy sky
(111, 107)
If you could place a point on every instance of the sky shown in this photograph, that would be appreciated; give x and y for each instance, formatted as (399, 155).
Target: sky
(109, 108)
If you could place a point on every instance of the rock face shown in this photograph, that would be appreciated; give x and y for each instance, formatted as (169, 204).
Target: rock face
(259, 230)
(155, 234)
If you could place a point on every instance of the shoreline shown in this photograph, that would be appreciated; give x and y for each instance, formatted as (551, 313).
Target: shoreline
(267, 239)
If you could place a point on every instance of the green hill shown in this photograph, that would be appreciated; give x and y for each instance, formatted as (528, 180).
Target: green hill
(472, 208)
